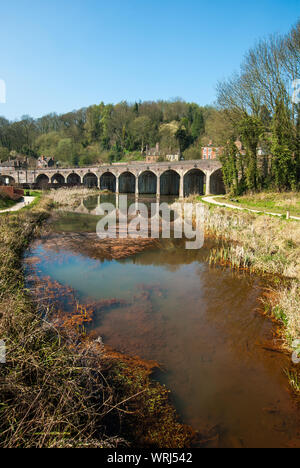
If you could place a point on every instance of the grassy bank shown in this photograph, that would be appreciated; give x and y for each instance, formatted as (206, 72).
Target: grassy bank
(6, 202)
(264, 245)
(60, 389)
(268, 202)
(37, 194)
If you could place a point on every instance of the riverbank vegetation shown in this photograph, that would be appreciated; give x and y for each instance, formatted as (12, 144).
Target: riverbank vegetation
(60, 389)
(6, 202)
(268, 246)
(72, 196)
(274, 202)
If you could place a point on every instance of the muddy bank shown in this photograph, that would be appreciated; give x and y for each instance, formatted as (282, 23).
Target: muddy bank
(90, 245)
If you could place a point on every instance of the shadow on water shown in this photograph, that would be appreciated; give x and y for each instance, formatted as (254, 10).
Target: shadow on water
(201, 324)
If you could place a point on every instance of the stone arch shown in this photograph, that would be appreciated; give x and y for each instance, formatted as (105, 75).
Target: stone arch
(127, 182)
(42, 181)
(58, 179)
(108, 181)
(147, 183)
(217, 186)
(7, 180)
(73, 179)
(90, 180)
(169, 183)
(193, 182)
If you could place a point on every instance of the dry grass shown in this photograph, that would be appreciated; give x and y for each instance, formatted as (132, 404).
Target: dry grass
(70, 196)
(287, 309)
(271, 245)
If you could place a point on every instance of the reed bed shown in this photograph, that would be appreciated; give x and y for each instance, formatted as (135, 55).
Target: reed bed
(70, 196)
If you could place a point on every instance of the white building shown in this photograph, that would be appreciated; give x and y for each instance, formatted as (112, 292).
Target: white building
(172, 157)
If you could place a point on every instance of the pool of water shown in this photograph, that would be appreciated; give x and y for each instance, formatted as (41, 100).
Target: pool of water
(201, 324)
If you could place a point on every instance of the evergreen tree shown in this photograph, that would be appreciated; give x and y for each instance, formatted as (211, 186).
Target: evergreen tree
(297, 148)
(251, 130)
(183, 137)
(230, 161)
(283, 148)
(198, 126)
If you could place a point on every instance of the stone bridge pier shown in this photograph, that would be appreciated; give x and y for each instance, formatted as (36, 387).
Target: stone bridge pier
(181, 178)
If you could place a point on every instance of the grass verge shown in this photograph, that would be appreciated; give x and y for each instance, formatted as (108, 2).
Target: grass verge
(59, 388)
(279, 203)
(6, 202)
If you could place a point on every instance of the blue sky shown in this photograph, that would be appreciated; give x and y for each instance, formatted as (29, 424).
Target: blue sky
(60, 55)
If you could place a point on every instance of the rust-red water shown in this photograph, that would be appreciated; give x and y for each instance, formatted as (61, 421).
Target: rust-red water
(201, 324)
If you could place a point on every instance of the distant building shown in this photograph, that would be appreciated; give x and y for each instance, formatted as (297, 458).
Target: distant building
(210, 151)
(173, 157)
(152, 154)
(10, 164)
(44, 162)
(18, 162)
(240, 147)
(261, 151)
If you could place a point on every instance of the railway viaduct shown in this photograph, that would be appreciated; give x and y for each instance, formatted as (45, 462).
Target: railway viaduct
(180, 178)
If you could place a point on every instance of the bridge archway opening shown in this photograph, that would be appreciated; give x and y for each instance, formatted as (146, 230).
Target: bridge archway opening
(7, 180)
(169, 183)
(108, 182)
(58, 179)
(90, 180)
(217, 186)
(73, 179)
(147, 183)
(127, 183)
(194, 182)
(42, 181)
